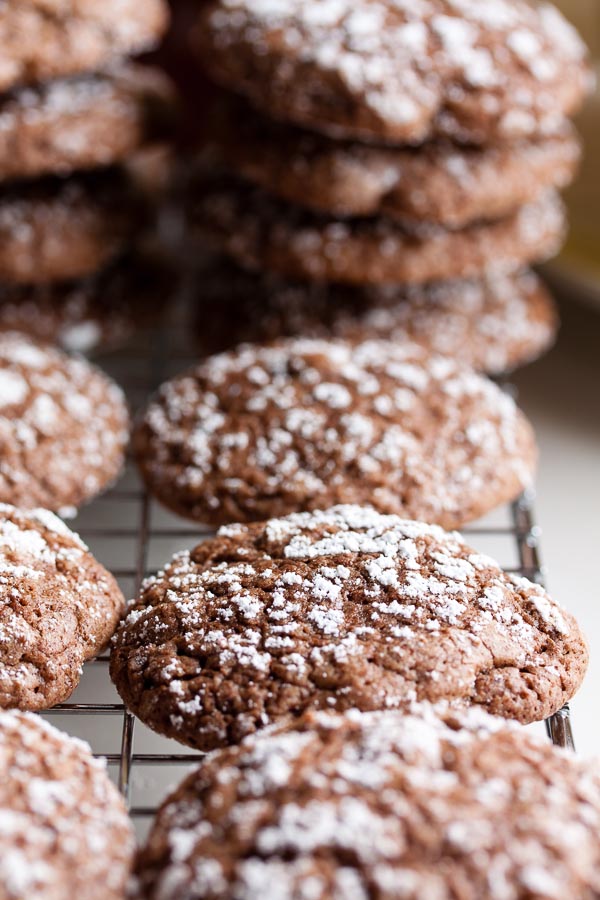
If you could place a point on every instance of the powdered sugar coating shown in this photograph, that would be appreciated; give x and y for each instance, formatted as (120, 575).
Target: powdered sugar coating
(58, 608)
(399, 70)
(493, 325)
(430, 804)
(82, 123)
(63, 426)
(305, 424)
(337, 610)
(64, 828)
(262, 233)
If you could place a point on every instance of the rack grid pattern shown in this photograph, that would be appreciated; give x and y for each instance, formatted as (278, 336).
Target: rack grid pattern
(133, 537)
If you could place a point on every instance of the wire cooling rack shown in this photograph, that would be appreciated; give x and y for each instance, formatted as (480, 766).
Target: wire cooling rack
(133, 536)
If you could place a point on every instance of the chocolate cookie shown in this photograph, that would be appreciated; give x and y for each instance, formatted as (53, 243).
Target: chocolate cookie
(84, 123)
(400, 72)
(305, 424)
(63, 426)
(58, 608)
(494, 325)
(55, 230)
(65, 829)
(340, 609)
(261, 232)
(435, 804)
(100, 312)
(46, 39)
(440, 182)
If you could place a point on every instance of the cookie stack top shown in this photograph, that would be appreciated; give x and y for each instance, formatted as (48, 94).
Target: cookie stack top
(397, 144)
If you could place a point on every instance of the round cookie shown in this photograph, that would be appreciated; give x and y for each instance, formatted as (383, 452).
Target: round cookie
(84, 123)
(440, 182)
(65, 829)
(261, 232)
(63, 426)
(340, 609)
(434, 804)
(494, 325)
(305, 424)
(400, 72)
(46, 39)
(55, 230)
(58, 608)
(98, 313)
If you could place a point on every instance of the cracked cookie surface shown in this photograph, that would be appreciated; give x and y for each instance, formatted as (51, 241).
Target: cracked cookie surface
(305, 424)
(433, 804)
(58, 608)
(400, 71)
(337, 610)
(64, 426)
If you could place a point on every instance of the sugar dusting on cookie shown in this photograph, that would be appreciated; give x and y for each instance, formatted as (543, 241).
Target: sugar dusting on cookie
(345, 805)
(335, 610)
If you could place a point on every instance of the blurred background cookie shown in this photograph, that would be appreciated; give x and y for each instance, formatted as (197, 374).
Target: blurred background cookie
(65, 828)
(493, 325)
(64, 426)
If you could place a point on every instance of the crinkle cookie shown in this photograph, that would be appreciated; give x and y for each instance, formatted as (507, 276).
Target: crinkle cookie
(46, 39)
(427, 806)
(403, 71)
(82, 123)
(97, 313)
(64, 426)
(440, 182)
(494, 325)
(263, 233)
(339, 609)
(65, 829)
(58, 608)
(59, 230)
(305, 424)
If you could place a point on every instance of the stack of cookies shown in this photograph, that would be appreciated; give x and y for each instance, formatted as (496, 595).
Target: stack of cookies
(393, 168)
(74, 115)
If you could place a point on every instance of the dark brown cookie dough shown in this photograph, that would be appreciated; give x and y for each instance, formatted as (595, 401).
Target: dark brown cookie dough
(58, 230)
(65, 829)
(58, 608)
(83, 123)
(435, 804)
(46, 39)
(63, 426)
(440, 182)
(100, 312)
(266, 431)
(494, 325)
(266, 234)
(400, 72)
(337, 610)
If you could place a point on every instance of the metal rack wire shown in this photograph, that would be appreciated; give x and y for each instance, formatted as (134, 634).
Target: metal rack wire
(133, 536)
